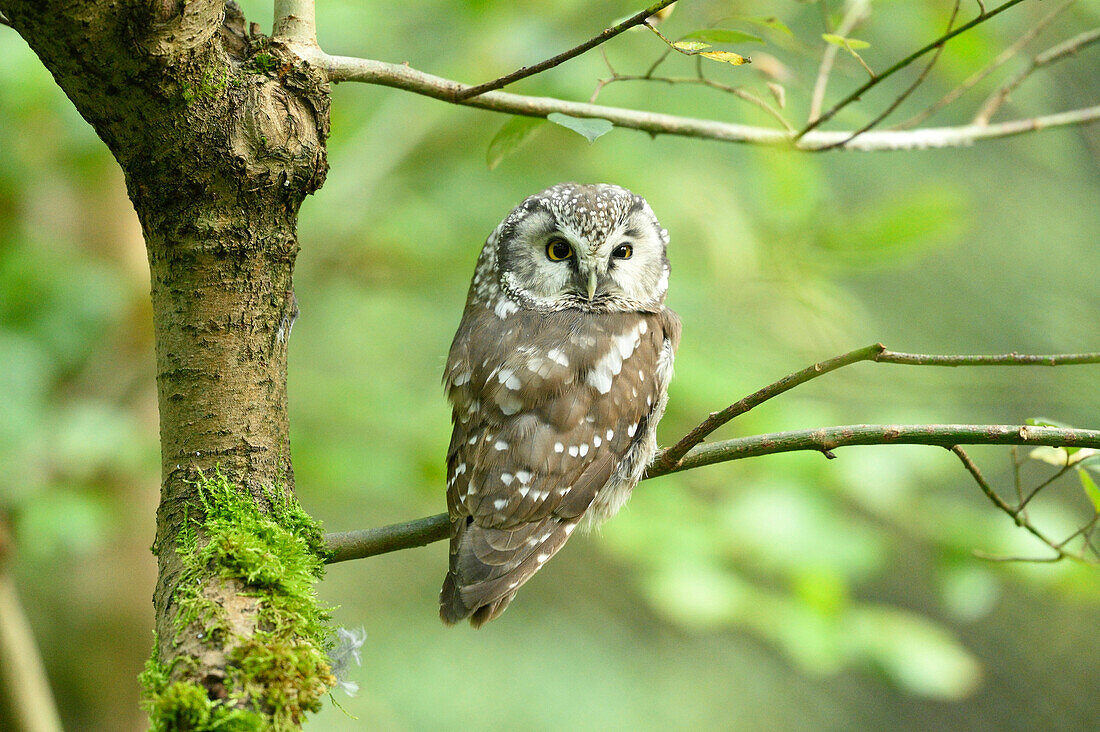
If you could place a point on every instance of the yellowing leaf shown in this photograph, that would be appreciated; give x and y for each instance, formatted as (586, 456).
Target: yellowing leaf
(728, 57)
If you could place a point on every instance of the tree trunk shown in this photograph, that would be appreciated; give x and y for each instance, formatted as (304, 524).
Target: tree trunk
(221, 136)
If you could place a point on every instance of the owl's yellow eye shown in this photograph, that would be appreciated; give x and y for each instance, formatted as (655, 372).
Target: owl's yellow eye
(558, 250)
(623, 251)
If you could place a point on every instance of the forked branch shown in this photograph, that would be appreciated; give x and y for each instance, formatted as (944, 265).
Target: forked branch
(688, 453)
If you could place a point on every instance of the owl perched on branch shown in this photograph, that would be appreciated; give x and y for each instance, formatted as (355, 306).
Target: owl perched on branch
(558, 375)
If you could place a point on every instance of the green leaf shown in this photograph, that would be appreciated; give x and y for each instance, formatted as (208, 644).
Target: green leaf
(724, 35)
(1091, 489)
(589, 127)
(850, 44)
(1044, 422)
(510, 137)
(768, 22)
(690, 45)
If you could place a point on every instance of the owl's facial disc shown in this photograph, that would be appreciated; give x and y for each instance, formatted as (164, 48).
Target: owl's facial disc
(605, 253)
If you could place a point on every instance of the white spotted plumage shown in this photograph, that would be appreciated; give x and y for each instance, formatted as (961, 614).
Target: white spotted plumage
(558, 375)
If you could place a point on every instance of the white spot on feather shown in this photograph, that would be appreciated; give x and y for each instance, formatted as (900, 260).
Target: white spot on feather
(504, 308)
(524, 476)
(583, 449)
(558, 357)
(573, 450)
(501, 445)
(596, 441)
(500, 503)
(506, 478)
(558, 447)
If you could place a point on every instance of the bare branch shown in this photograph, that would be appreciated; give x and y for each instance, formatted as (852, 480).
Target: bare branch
(344, 68)
(875, 352)
(977, 77)
(857, 11)
(1021, 518)
(347, 545)
(828, 439)
(1051, 55)
(24, 688)
(361, 544)
(904, 95)
(522, 73)
(703, 81)
(295, 22)
(855, 95)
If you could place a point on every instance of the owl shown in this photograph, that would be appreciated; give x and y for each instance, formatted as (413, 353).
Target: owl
(557, 376)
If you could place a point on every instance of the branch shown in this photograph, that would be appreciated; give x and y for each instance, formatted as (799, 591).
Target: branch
(854, 96)
(827, 439)
(687, 453)
(856, 12)
(524, 72)
(976, 78)
(876, 352)
(369, 542)
(1021, 519)
(702, 81)
(345, 68)
(25, 697)
(1051, 55)
(295, 23)
(905, 94)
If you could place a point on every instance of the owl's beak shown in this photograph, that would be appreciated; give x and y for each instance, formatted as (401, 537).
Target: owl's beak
(591, 282)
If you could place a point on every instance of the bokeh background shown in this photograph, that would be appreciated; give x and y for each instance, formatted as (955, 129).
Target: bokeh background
(786, 592)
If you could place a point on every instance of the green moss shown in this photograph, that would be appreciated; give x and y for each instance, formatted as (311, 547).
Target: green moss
(279, 671)
(263, 63)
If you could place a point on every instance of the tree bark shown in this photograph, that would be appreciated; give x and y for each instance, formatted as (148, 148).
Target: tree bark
(221, 135)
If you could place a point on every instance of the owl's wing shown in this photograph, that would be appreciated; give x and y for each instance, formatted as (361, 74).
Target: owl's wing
(543, 416)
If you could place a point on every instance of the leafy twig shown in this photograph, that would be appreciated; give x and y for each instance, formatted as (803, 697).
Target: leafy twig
(522, 73)
(976, 78)
(904, 95)
(863, 88)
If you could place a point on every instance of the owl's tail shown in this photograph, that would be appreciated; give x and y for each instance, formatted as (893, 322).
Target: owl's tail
(488, 565)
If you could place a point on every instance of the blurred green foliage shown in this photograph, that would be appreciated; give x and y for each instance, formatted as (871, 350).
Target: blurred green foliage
(778, 593)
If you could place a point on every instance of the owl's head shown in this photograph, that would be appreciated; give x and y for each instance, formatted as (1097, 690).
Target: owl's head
(596, 248)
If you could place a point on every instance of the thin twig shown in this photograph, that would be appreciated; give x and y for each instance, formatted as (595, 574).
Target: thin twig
(344, 68)
(972, 468)
(524, 72)
(977, 77)
(672, 456)
(703, 81)
(859, 92)
(369, 542)
(1051, 55)
(24, 688)
(856, 12)
(904, 95)
(1022, 506)
(4, 20)
(875, 352)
